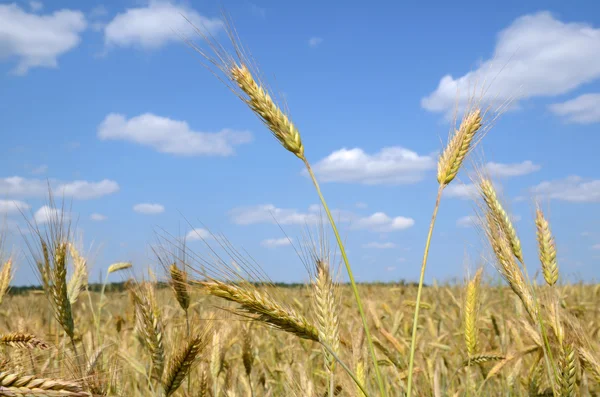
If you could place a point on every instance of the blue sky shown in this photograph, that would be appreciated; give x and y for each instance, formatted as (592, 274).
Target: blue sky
(106, 103)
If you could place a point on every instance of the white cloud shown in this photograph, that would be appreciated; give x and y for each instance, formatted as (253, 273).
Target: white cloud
(390, 166)
(380, 222)
(315, 41)
(467, 221)
(48, 214)
(42, 169)
(97, 217)
(541, 56)
(390, 268)
(361, 205)
(170, 136)
(585, 109)
(465, 191)
(12, 206)
(596, 247)
(36, 6)
(84, 190)
(509, 170)
(198, 234)
(268, 213)
(38, 40)
(573, 189)
(155, 25)
(149, 208)
(275, 242)
(17, 186)
(378, 245)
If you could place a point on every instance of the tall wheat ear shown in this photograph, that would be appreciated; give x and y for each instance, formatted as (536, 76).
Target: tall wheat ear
(242, 78)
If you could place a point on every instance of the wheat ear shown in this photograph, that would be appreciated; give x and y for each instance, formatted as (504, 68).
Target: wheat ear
(488, 193)
(267, 310)
(181, 364)
(458, 147)
(567, 368)
(265, 108)
(23, 340)
(23, 385)
(150, 326)
(546, 248)
(60, 293)
(6, 275)
(79, 279)
(179, 285)
(471, 306)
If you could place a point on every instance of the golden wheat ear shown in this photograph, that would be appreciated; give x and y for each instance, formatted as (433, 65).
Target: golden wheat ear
(546, 248)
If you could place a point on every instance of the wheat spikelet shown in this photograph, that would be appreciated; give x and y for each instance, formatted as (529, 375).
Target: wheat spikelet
(268, 311)
(326, 311)
(150, 326)
(21, 385)
(590, 361)
(509, 268)
(546, 248)
(567, 369)
(470, 305)
(18, 339)
(482, 358)
(247, 354)
(79, 278)
(458, 147)
(179, 284)
(267, 110)
(115, 267)
(5, 278)
(490, 198)
(59, 289)
(181, 364)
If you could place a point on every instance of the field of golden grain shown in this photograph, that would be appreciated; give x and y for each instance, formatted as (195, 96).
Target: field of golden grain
(213, 324)
(230, 356)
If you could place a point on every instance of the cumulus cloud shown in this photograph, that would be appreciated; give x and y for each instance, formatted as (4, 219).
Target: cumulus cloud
(573, 189)
(84, 190)
(149, 208)
(585, 109)
(170, 136)
(17, 186)
(268, 213)
(275, 242)
(47, 214)
(315, 41)
(541, 56)
(378, 245)
(465, 191)
(36, 40)
(156, 24)
(97, 217)
(198, 234)
(389, 166)
(12, 206)
(381, 222)
(509, 170)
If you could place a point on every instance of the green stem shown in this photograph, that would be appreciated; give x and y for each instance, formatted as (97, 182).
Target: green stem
(413, 340)
(352, 282)
(345, 367)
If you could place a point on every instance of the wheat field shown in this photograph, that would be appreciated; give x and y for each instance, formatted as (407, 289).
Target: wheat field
(212, 324)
